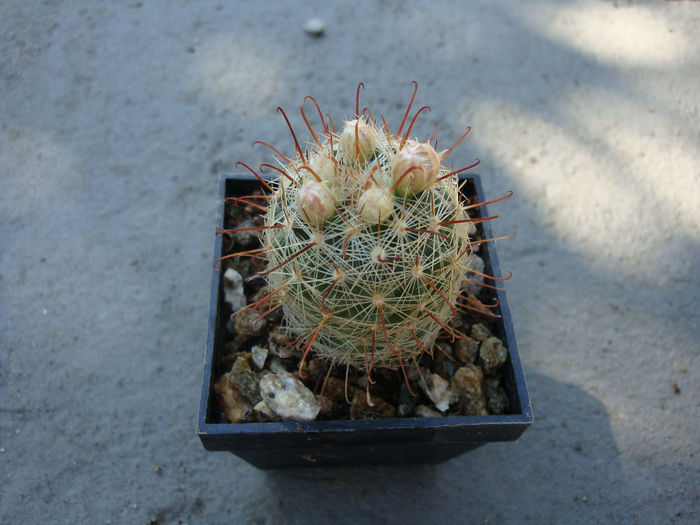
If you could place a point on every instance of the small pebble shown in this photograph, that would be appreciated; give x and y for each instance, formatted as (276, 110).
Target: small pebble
(493, 354)
(439, 392)
(480, 332)
(317, 368)
(280, 343)
(259, 355)
(362, 409)
(497, 401)
(244, 378)
(466, 349)
(467, 384)
(334, 389)
(235, 404)
(315, 27)
(233, 289)
(491, 385)
(248, 323)
(288, 398)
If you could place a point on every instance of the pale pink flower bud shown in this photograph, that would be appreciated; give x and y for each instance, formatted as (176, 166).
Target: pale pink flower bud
(375, 203)
(315, 202)
(415, 167)
(324, 167)
(366, 139)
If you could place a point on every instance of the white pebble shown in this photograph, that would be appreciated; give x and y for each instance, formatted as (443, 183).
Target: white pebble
(233, 289)
(439, 393)
(288, 397)
(259, 354)
(314, 26)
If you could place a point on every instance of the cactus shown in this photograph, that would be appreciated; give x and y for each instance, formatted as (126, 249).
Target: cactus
(366, 241)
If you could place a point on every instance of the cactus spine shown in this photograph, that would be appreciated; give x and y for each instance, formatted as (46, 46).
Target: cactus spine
(367, 244)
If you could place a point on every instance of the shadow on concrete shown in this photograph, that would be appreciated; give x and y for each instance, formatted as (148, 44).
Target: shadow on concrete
(552, 473)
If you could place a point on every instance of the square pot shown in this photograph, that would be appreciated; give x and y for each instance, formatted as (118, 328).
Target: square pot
(356, 442)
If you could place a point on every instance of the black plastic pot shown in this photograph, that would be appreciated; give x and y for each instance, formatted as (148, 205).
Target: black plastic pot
(356, 442)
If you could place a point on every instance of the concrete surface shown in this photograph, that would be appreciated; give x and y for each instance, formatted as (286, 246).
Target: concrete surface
(117, 119)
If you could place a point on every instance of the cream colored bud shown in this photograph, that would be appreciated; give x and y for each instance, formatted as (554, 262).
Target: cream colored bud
(423, 162)
(324, 167)
(315, 202)
(375, 204)
(366, 139)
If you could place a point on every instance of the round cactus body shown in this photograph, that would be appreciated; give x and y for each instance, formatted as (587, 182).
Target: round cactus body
(366, 244)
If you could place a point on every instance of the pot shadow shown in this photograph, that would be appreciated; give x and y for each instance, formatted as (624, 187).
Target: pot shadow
(570, 447)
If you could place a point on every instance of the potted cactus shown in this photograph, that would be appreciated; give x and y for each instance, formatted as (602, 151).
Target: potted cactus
(356, 331)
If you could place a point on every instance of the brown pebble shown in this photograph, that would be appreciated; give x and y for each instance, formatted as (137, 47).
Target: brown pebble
(235, 404)
(279, 336)
(317, 368)
(479, 332)
(327, 408)
(248, 323)
(467, 383)
(496, 398)
(493, 354)
(360, 409)
(466, 349)
(335, 390)
(244, 378)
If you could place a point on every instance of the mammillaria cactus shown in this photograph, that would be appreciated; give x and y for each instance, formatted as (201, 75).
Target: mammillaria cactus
(366, 241)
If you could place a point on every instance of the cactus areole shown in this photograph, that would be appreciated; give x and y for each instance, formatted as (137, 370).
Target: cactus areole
(366, 243)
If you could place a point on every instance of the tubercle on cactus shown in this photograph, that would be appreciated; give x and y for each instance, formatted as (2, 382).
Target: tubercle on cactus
(366, 241)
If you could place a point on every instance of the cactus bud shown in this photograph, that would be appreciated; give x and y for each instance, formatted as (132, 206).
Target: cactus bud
(375, 204)
(366, 140)
(315, 202)
(324, 167)
(415, 167)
